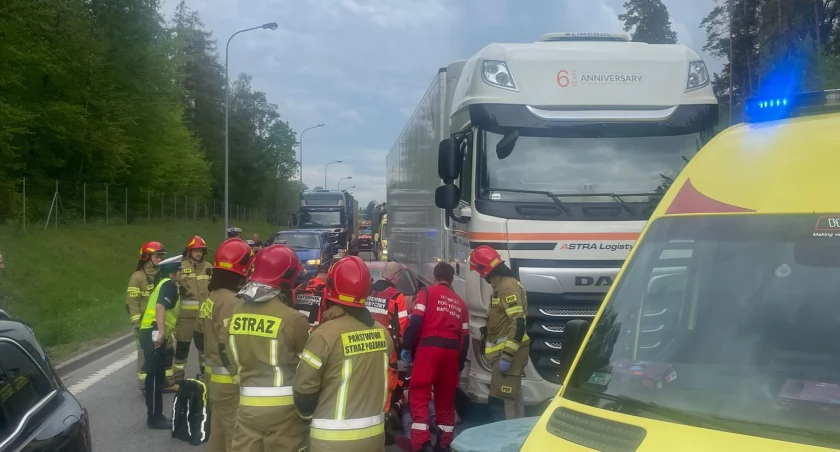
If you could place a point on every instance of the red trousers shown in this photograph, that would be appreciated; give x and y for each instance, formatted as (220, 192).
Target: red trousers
(434, 368)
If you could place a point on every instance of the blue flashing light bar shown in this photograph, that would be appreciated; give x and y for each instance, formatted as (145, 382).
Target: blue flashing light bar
(771, 108)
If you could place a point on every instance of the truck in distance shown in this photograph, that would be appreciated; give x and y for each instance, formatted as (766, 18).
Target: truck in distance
(327, 209)
(555, 153)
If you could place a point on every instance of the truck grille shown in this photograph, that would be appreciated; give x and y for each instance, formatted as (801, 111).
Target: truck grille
(546, 323)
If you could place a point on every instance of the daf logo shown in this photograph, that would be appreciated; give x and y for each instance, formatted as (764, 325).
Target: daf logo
(601, 281)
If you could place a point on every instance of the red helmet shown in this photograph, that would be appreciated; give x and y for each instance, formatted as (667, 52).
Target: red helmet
(276, 266)
(196, 243)
(484, 259)
(150, 248)
(234, 255)
(348, 282)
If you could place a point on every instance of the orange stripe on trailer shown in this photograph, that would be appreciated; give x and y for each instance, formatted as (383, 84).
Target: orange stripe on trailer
(553, 236)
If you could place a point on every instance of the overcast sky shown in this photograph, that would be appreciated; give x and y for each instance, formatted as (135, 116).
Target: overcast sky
(361, 66)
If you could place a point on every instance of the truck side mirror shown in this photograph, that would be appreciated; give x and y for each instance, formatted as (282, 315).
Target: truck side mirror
(447, 196)
(573, 334)
(449, 160)
(294, 219)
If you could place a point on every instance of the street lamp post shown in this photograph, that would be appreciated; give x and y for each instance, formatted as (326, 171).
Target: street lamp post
(343, 178)
(301, 152)
(268, 26)
(325, 171)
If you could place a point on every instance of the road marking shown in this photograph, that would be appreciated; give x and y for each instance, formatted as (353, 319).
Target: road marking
(98, 376)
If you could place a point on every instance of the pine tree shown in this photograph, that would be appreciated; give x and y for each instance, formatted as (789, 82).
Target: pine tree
(648, 21)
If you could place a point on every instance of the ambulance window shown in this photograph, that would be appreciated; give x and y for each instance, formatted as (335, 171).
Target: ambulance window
(22, 386)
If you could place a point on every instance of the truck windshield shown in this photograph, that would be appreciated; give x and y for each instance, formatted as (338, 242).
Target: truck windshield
(728, 319)
(365, 230)
(321, 219)
(298, 240)
(586, 166)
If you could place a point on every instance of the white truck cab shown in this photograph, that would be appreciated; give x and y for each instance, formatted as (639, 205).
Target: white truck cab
(555, 153)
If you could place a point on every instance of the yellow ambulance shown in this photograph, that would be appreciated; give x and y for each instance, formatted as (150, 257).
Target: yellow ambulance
(722, 331)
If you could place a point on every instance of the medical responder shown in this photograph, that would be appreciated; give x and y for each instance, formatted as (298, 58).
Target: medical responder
(387, 306)
(156, 328)
(230, 270)
(266, 337)
(195, 277)
(308, 297)
(507, 344)
(440, 332)
(342, 379)
(140, 286)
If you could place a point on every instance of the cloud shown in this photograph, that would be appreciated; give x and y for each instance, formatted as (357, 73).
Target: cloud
(362, 66)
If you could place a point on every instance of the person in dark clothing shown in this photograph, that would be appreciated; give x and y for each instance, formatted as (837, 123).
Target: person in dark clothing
(355, 245)
(157, 324)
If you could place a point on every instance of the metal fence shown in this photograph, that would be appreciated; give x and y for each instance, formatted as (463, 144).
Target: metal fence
(44, 204)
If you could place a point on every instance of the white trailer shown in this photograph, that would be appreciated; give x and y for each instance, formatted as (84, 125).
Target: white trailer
(555, 153)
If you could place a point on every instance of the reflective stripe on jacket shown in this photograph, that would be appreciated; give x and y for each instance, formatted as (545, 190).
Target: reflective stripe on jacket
(346, 363)
(266, 339)
(507, 303)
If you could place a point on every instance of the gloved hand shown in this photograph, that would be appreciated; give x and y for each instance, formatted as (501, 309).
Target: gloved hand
(504, 365)
(405, 356)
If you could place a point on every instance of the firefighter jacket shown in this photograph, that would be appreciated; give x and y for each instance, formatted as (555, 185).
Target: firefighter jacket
(140, 287)
(214, 320)
(387, 306)
(266, 339)
(342, 382)
(195, 277)
(505, 319)
(308, 300)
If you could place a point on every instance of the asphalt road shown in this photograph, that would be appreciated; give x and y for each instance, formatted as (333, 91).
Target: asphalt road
(108, 389)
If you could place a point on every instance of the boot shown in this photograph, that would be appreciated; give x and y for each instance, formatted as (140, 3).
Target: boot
(442, 449)
(427, 447)
(161, 424)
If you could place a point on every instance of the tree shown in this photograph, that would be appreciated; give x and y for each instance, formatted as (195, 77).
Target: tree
(771, 47)
(648, 21)
(371, 207)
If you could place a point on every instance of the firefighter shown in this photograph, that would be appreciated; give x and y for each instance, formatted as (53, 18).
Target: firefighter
(230, 270)
(156, 329)
(507, 344)
(140, 286)
(342, 379)
(387, 306)
(440, 332)
(308, 298)
(195, 277)
(266, 337)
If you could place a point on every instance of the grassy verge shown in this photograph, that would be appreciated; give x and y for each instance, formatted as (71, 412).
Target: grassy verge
(69, 284)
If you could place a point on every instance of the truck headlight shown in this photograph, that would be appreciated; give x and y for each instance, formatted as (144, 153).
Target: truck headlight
(497, 73)
(313, 262)
(698, 76)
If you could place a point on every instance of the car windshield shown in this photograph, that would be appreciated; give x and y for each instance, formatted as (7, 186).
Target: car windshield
(585, 166)
(298, 240)
(321, 219)
(730, 319)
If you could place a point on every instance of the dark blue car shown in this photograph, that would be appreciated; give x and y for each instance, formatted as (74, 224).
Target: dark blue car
(313, 248)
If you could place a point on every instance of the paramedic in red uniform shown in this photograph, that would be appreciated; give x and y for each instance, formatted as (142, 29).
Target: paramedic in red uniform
(387, 306)
(440, 326)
